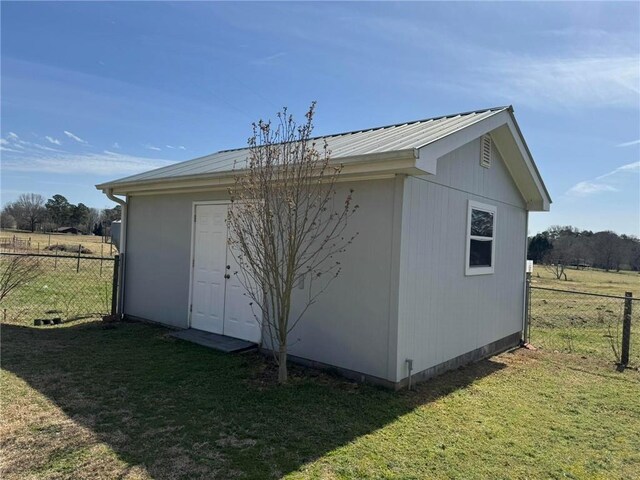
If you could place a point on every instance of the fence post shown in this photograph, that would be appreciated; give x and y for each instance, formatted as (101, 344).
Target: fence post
(626, 329)
(78, 267)
(527, 308)
(114, 284)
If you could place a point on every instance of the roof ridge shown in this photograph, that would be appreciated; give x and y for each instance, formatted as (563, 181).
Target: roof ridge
(370, 129)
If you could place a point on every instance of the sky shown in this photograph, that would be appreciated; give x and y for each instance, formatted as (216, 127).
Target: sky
(96, 91)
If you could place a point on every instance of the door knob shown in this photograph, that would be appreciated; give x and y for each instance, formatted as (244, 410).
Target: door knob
(227, 276)
(228, 267)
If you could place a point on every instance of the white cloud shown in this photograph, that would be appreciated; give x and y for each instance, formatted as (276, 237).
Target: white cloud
(42, 147)
(182, 147)
(12, 136)
(152, 147)
(108, 164)
(269, 59)
(599, 81)
(169, 146)
(7, 149)
(4, 142)
(588, 188)
(33, 157)
(74, 137)
(115, 145)
(629, 144)
(628, 168)
(55, 141)
(609, 182)
(601, 70)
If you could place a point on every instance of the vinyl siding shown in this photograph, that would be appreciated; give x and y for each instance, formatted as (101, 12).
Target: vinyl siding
(442, 312)
(349, 326)
(158, 256)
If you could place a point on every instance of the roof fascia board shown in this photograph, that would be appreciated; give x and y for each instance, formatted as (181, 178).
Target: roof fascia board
(363, 167)
(225, 187)
(528, 158)
(509, 138)
(429, 154)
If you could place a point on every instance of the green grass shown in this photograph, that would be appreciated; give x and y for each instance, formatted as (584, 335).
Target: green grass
(591, 280)
(584, 324)
(61, 290)
(86, 400)
(91, 400)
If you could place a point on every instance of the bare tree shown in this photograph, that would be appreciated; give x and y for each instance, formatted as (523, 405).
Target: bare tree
(93, 217)
(28, 210)
(557, 270)
(286, 224)
(6, 219)
(607, 250)
(554, 263)
(16, 271)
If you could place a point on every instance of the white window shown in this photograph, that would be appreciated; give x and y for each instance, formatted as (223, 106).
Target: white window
(481, 241)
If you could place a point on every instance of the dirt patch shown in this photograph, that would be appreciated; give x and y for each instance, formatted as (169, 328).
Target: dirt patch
(68, 248)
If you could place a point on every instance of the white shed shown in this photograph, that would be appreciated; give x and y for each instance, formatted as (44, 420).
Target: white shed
(436, 276)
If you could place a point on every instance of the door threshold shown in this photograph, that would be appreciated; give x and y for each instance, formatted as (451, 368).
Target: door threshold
(218, 342)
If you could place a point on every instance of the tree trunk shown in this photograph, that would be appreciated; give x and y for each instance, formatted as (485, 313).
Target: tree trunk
(282, 364)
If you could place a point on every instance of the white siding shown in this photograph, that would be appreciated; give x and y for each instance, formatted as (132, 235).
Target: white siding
(442, 312)
(350, 325)
(158, 256)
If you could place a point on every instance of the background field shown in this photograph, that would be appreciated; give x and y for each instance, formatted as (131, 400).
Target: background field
(38, 242)
(597, 281)
(584, 324)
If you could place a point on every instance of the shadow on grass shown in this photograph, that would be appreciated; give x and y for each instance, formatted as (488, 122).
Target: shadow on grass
(153, 399)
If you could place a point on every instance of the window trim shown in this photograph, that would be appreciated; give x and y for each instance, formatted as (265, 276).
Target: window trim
(469, 270)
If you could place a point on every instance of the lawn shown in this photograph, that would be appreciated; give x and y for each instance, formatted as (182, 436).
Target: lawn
(598, 281)
(584, 324)
(64, 288)
(89, 400)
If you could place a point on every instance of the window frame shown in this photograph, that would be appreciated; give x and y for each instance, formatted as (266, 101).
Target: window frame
(485, 270)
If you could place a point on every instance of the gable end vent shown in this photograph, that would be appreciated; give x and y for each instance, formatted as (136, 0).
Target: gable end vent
(485, 151)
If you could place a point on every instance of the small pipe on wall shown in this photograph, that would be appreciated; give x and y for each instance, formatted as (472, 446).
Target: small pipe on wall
(123, 246)
(409, 362)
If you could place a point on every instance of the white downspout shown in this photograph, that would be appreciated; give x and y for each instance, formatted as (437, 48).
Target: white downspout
(122, 250)
(525, 325)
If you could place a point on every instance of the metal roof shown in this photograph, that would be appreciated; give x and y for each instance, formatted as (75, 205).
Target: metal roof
(389, 138)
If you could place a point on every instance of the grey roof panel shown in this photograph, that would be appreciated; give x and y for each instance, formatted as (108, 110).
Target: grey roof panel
(389, 138)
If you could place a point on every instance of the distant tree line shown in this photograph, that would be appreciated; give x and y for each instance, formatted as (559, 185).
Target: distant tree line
(30, 211)
(569, 246)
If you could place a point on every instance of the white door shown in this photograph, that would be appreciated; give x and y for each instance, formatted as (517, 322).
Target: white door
(209, 268)
(219, 303)
(239, 317)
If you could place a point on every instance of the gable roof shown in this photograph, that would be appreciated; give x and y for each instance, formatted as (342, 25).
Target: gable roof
(410, 147)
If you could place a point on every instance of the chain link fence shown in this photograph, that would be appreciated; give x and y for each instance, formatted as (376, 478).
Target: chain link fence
(582, 323)
(58, 289)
